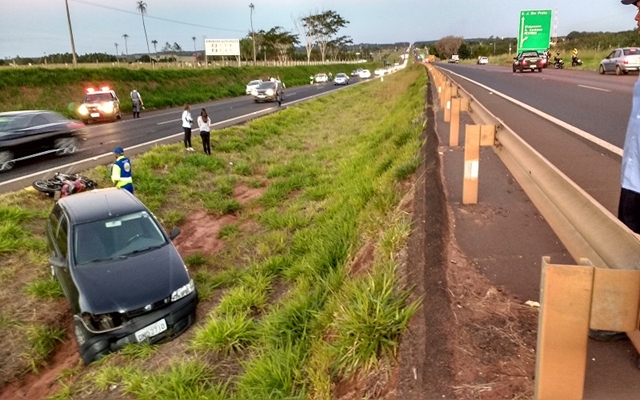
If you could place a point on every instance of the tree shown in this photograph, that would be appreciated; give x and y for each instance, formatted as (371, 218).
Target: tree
(323, 27)
(142, 7)
(253, 36)
(167, 47)
(280, 42)
(448, 46)
(176, 47)
(306, 27)
(126, 49)
(155, 46)
(194, 42)
(117, 53)
(335, 46)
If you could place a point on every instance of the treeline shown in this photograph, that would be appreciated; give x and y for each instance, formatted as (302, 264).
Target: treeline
(473, 48)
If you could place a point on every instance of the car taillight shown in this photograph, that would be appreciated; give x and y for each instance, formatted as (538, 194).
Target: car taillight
(524, 62)
(625, 61)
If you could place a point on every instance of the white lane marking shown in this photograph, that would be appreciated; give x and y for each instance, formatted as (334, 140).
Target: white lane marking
(594, 88)
(569, 127)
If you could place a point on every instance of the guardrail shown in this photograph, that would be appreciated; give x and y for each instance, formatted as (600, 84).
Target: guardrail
(601, 292)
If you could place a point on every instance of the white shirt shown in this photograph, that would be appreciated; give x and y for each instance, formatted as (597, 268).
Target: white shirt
(630, 171)
(204, 126)
(186, 119)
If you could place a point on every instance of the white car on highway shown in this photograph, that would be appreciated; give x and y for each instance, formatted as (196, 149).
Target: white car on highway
(252, 85)
(364, 74)
(379, 72)
(321, 78)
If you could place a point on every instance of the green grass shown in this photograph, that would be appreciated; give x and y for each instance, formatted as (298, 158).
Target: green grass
(42, 341)
(48, 288)
(275, 296)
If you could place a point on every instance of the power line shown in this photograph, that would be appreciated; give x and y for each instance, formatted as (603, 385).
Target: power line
(158, 18)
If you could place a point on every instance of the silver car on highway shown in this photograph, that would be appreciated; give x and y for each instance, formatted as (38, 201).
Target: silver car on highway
(621, 61)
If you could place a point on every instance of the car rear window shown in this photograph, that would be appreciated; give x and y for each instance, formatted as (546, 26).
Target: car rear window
(267, 85)
(530, 54)
(631, 52)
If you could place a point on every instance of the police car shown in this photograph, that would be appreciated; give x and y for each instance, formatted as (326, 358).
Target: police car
(100, 105)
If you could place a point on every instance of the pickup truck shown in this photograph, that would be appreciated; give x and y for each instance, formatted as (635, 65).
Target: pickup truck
(454, 59)
(528, 61)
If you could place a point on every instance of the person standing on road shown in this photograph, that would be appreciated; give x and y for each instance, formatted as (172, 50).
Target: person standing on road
(629, 203)
(136, 99)
(121, 171)
(187, 121)
(311, 79)
(204, 123)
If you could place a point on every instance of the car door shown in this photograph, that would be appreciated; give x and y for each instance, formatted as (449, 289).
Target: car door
(62, 270)
(39, 132)
(609, 62)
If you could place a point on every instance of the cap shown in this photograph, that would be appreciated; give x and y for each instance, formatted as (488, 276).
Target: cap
(628, 2)
(118, 150)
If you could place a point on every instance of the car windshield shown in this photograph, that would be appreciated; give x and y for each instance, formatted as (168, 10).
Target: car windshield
(267, 85)
(14, 122)
(98, 97)
(631, 52)
(120, 237)
(253, 83)
(341, 76)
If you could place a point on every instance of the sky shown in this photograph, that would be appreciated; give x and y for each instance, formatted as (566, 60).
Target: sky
(35, 28)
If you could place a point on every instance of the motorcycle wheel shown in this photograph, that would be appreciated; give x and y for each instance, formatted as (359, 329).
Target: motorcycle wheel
(49, 186)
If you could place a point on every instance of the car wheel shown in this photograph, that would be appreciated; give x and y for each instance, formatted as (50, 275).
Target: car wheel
(625, 72)
(91, 348)
(618, 70)
(6, 160)
(66, 146)
(514, 69)
(601, 69)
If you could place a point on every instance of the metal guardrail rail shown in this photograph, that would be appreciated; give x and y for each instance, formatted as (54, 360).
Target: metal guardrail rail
(584, 226)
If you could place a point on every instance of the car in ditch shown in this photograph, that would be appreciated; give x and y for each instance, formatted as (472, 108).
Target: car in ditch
(121, 274)
(621, 61)
(269, 91)
(528, 61)
(35, 133)
(100, 105)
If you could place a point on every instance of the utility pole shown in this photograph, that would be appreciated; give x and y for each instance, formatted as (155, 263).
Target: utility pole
(253, 36)
(73, 46)
(117, 59)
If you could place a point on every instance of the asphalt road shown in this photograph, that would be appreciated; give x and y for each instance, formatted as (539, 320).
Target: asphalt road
(158, 126)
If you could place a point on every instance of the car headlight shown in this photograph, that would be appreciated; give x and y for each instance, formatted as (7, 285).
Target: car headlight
(254, 92)
(82, 110)
(269, 92)
(183, 291)
(107, 107)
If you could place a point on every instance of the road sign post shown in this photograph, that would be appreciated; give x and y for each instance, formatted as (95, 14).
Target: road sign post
(534, 32)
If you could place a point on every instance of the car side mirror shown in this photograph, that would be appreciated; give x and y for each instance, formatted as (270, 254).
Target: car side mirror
(57, 262)
(174, 233)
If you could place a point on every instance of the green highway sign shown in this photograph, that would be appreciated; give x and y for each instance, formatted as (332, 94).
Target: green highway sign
(534, 32)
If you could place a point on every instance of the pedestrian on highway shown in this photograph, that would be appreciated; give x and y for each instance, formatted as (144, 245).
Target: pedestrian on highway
(121, 171)
(629, 203)
(187, 121)
(311, 79)
(204, 123)
(136, 99)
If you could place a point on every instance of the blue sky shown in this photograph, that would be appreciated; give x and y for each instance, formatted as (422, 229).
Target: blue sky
(33, 28)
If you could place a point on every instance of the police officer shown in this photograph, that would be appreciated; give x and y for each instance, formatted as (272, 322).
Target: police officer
(121, 170)
(136, 99)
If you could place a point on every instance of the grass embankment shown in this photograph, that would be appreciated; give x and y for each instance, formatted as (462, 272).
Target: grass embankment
(63, 89)
(306, 291)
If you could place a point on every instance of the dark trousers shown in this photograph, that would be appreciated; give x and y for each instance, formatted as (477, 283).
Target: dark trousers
(629, 209)
(187, 137)
(136, 109)
(206, 142)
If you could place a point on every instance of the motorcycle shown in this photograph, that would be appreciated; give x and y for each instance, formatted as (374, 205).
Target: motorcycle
(558, 63)
(576, 62)
(64, 184)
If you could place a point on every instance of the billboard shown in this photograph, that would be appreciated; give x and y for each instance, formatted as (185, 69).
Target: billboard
(222, 47)
(534, 32)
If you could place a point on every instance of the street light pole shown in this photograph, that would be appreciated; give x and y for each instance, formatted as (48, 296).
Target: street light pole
(253, 36)
(117, 59)
(73, 46)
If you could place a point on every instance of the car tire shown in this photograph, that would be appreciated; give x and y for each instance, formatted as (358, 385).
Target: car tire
(514, 69)
(91, 348)
(601, 69)
(618, 70)
(65, 146)
(6, 160)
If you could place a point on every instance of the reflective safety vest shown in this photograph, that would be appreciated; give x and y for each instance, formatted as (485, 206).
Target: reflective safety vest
(121, 172)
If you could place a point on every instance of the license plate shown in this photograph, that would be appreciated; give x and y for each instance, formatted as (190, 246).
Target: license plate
(261, 96)
(151, 330)
(95, 115)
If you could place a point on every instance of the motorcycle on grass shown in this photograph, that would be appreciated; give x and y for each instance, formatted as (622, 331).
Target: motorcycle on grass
(64, 184)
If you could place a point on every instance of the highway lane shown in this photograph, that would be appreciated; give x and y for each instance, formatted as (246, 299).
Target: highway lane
(598, 104)
(101, 138)
(604, 115)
